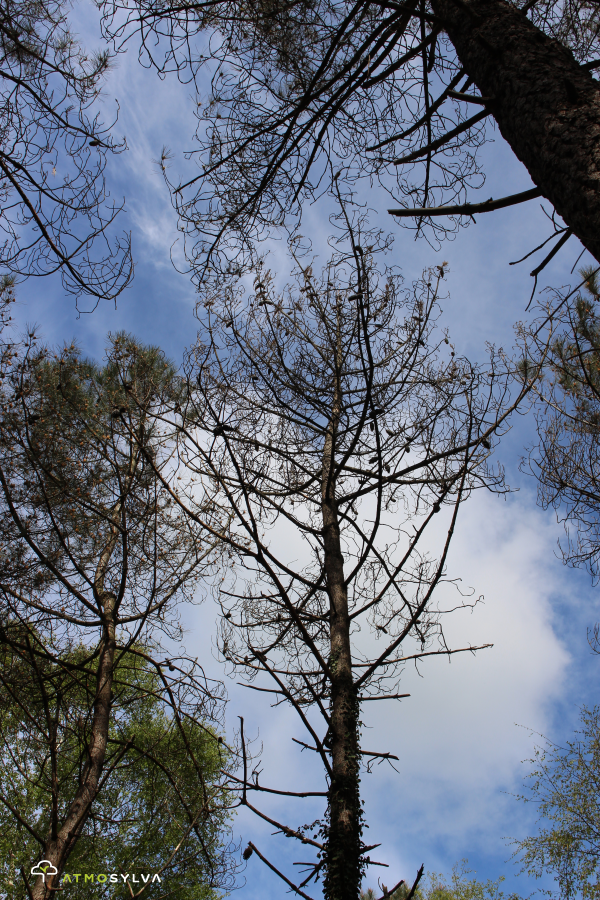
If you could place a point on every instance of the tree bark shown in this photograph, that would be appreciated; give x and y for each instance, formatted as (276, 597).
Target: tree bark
(343, 868)
(58, 846)
(60, 841)
(546, 105)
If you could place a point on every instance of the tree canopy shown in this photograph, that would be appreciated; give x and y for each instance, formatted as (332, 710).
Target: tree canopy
(565, 458)
(149, 816)
(436, 886)
(95, 556)
(334, 423)
(57, 215)
(563, 783)
(304, 92)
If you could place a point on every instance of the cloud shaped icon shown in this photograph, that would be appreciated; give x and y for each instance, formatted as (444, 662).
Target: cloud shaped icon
(43, 868)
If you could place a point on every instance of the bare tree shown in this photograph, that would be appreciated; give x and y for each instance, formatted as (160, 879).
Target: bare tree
(95, 558)
(56, 211)
(302, 92)
(335, 425)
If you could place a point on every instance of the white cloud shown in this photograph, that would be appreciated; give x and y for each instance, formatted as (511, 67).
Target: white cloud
(456, 736)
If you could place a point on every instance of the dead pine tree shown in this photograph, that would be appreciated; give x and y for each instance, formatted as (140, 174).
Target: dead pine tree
(335, 422)
(57, 214)
(400, 94)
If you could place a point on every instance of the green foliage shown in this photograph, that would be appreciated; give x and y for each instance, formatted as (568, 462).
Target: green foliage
(575, 356)
(161, 810)
(76, 439)
(108, 762)
(566, 346)
(590, 274)
(435, 886)
(565, 786)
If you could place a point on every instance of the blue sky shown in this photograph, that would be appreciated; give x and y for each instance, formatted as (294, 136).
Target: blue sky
(462, 735)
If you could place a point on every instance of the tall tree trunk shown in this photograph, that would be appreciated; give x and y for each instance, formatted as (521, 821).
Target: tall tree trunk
(343, 869)
(61, 840)
(58, 845)
(547, 107)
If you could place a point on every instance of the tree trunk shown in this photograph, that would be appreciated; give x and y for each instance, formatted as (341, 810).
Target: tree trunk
(58, 846)
(343, 868)
(61, 841)
(547, 107)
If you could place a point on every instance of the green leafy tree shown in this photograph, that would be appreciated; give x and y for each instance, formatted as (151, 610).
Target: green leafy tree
(94, 559)
(155, 811)
(563, 784)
